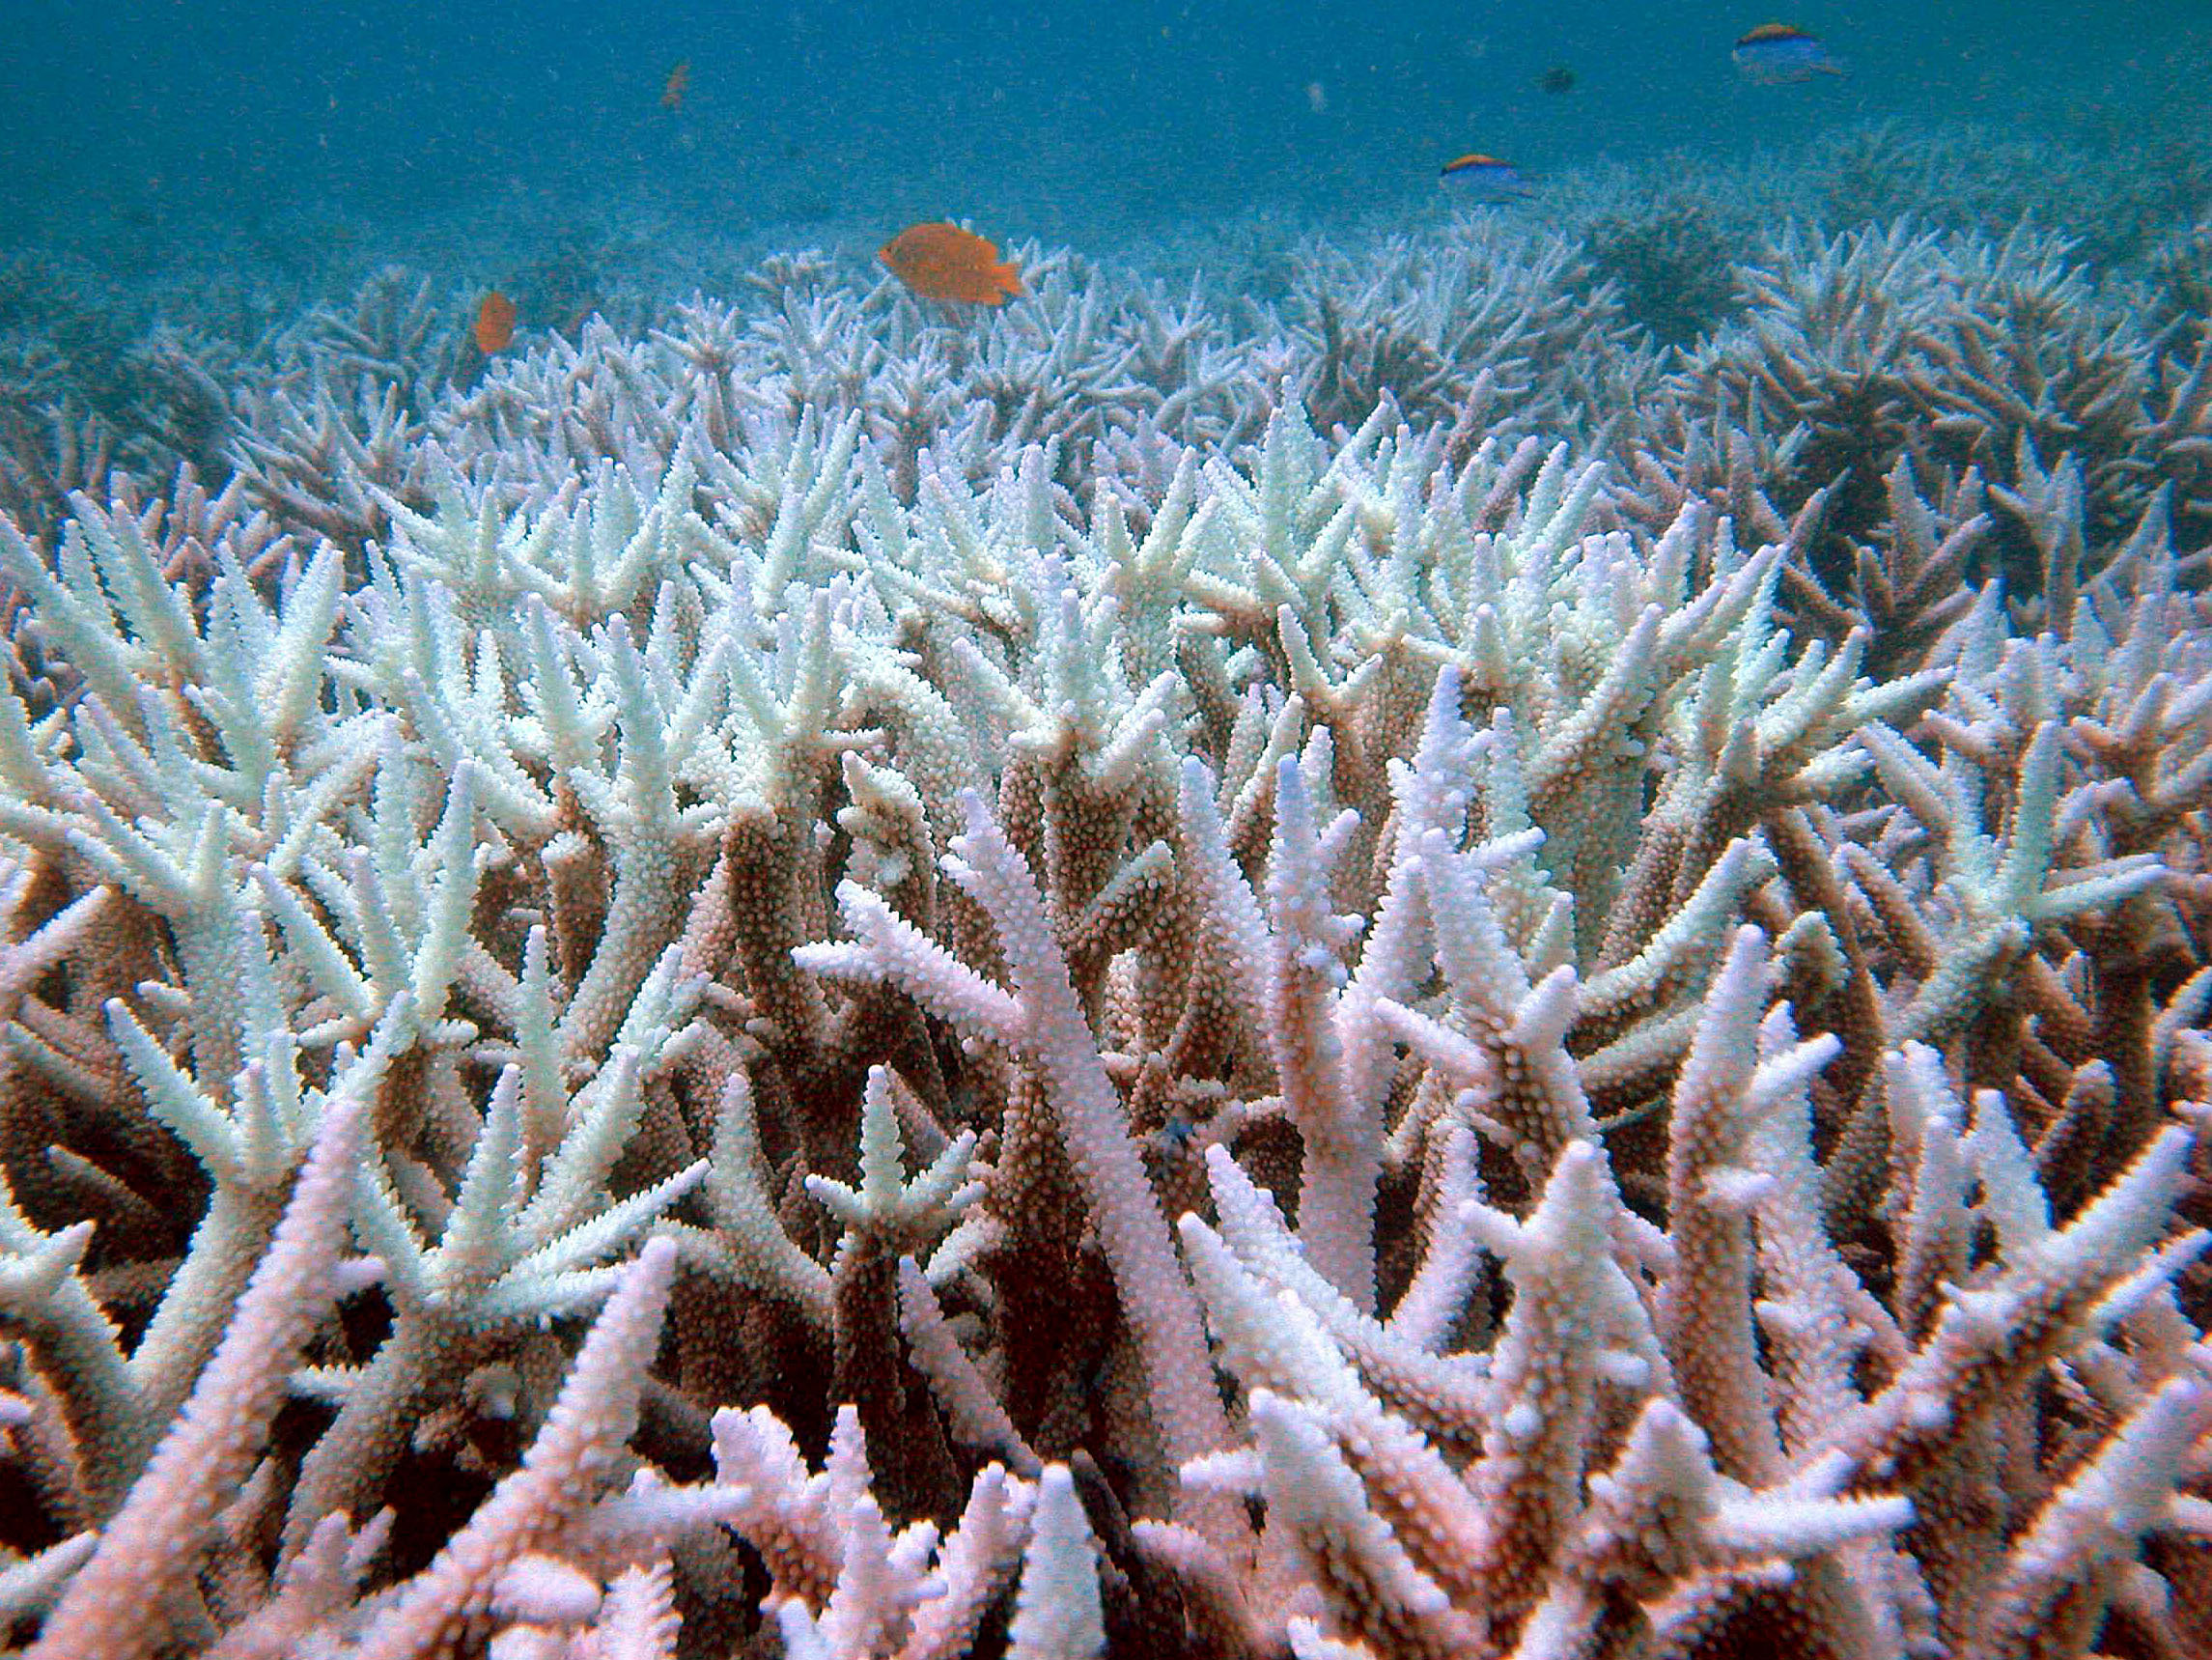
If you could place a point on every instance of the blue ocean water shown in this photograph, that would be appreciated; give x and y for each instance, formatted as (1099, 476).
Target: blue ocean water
(148, 121)
(245, 244)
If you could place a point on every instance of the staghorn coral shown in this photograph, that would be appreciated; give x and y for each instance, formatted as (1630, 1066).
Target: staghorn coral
(1965, 357)
(1466, 324)
(845, 984)
(1671, 259)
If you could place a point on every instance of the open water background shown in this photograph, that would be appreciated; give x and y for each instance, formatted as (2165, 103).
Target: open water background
(130, 125)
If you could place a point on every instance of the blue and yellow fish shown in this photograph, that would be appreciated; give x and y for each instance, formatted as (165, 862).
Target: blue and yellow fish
(1487, 179)
(1774, 54)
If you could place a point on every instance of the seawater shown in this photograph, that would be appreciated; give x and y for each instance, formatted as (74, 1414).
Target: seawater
(143, 131)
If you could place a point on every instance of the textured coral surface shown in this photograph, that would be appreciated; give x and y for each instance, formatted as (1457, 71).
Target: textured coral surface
(1430, 965)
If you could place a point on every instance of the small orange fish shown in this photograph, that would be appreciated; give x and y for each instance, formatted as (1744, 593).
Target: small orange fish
(943, 262)
(679, 81)
(495, 326)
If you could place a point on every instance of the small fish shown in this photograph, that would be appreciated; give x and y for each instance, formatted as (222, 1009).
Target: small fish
(494, 328)
(1556, 79)
(1486, 178)
(943, 262)
(1777, 55)
(678, 83)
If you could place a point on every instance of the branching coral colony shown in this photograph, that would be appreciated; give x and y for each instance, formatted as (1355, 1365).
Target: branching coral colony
(734, 1040)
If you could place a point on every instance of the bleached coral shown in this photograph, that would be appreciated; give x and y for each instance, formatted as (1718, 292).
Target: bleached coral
(1326, 1045)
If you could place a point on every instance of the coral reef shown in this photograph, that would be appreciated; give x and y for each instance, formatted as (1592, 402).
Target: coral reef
(1672, 262)
(1377, 973)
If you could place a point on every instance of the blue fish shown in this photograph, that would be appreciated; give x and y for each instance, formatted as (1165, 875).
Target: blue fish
(1774, 54)
(1487, 179)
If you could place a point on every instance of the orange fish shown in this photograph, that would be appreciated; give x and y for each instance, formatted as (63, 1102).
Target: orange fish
(494, 328)
(679, 78)
(943, 262)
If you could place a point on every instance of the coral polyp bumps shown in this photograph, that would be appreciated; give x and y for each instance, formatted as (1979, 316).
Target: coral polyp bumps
(659, 1019)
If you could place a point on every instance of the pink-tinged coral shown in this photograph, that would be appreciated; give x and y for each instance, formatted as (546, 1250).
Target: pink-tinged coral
(828, 985)
(137, 1586)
